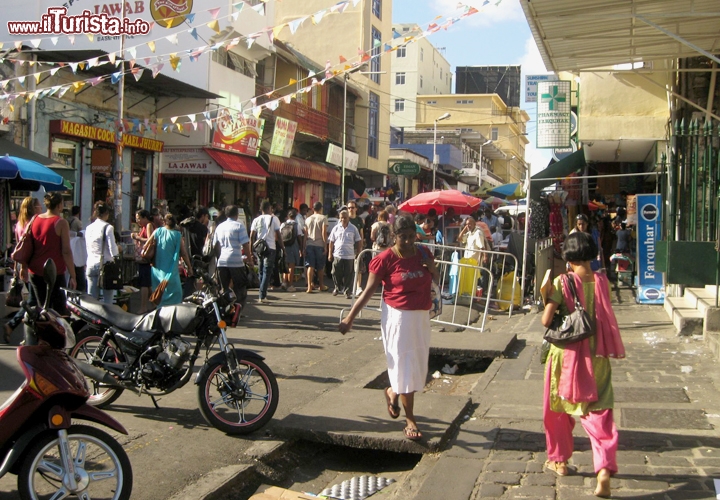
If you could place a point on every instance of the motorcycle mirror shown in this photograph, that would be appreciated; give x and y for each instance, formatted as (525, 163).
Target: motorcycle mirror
(50, 275)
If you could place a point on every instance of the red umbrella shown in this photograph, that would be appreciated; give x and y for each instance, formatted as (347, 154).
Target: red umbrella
(440, 201)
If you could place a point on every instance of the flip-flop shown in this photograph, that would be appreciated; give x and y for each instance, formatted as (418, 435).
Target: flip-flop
(559, 468)
(412, 434)
(393, 409)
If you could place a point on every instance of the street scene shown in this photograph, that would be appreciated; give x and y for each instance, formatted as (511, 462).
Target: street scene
(265, 249)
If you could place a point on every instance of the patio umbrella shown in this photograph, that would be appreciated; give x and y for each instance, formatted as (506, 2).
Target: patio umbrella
(510, 191)
(29, 175)
(440, 201)
(494, 200)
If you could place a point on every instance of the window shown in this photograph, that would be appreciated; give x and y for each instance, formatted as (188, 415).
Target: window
(421, 53)
(399, 78)
(494, 133)
(431, 102)
(420, 81)
(373, 125)
(464, 101)
(406, 29)
(235, 62)
(401, 51)
(399, 104)
(377, 8)
(441, 73)
(375, 54)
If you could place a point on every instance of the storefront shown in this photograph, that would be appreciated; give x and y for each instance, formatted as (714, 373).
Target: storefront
(300, 181)
(201, 176)
(92, 153)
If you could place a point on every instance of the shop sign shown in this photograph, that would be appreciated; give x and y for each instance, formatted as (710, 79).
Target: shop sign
(334, 156)
(238, 133)
(553, 114)
(283, 137)
(72, 129)
(562, 153)
(651, 283)
(632, 213)
(531, 85)
(407, 169)
(188, 161)
(101, 161)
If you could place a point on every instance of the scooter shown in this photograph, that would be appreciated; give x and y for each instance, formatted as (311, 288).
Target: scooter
(51, 455)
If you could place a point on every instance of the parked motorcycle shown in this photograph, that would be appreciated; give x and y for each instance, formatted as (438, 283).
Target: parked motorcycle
(51, 455)
(237, 392)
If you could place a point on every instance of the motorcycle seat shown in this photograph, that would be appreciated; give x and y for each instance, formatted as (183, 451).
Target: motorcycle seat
(114, 315)
(182, 319)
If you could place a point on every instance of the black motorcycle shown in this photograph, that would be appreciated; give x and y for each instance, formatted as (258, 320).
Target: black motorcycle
(237, 392)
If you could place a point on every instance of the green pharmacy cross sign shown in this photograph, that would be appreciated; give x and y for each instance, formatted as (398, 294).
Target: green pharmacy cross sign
(407, 169)
(553, 98)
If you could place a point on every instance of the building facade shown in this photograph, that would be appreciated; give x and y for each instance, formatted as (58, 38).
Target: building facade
(416, 68)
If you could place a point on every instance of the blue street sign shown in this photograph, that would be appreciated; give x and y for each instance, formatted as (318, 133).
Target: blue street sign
(651, 283)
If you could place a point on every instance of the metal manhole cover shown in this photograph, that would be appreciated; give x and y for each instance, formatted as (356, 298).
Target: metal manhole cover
(357, 488)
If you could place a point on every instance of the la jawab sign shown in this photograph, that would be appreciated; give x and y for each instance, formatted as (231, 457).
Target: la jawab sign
(188, 161)
(238, 133)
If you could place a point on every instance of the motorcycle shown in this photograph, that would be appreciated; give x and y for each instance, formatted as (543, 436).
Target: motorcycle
(237, 392)
(52, 456)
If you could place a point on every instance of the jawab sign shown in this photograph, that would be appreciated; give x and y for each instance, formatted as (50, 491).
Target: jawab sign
(238, 133)
(188, 161)
(650, 282)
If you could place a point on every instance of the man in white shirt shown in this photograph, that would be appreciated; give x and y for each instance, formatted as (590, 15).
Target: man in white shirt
(497, 238)
(231, 235)
(266, 227)
(101, 247)
(345, 243)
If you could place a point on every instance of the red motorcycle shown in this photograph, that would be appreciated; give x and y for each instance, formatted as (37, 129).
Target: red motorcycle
(51, 455)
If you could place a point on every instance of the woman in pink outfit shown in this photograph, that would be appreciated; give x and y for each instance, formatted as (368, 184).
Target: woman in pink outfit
(578, 378)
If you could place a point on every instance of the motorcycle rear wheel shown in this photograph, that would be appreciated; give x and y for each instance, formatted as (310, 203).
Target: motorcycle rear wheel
(220, 404)
(102, 468)
(86, 344)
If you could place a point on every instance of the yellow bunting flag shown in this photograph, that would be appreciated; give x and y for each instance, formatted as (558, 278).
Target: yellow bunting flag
(174, 61)
(77, 86)
(293, 81)
(152, 46)
(214, 25)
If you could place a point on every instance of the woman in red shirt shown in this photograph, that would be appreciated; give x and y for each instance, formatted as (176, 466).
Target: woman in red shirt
(406, 271)
(52, 241)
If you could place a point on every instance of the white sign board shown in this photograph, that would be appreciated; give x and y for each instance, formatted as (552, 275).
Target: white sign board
(188, 161)
(531, 85)
(553, 115)
(334, 156)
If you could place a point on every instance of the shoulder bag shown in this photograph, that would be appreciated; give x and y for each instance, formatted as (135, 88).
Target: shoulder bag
(260, 247)
(148, 251)
(25, 247)
(110, 275)
(574, 327)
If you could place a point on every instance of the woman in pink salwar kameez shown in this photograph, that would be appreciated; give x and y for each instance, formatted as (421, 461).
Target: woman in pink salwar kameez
(578, 378)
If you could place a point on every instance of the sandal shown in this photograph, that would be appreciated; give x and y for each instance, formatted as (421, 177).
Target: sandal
(393, 409)
(559, 468)
(412, 433)
(7, 331)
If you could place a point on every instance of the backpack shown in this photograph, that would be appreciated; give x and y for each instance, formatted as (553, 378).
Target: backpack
(383, 238)
(288, 233)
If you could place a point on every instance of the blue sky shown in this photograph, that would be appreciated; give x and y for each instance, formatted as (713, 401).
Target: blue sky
(497, 35)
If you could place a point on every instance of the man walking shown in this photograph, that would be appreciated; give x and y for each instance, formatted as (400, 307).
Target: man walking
(233, 239)
(316, 236)
(195, 230)
(345, 243)
(266, 227)
(359, 223)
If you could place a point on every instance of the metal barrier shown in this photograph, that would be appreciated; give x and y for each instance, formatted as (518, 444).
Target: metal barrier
(544, 260)
(497, 264)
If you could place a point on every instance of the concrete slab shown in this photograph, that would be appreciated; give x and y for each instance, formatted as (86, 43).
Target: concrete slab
(464, 474)
(358, 418)
(471, 343)
(672, 303)
(650, 395)
(642, 418)
(688, 321)
(216, 483)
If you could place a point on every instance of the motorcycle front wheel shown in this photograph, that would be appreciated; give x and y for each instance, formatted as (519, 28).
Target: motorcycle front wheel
(85, 346)
(238, 410)
(102, 468)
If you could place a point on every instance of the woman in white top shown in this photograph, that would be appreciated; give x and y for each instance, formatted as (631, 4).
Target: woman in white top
(101, 247)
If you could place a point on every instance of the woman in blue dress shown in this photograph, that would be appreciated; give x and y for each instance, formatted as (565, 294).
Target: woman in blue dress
(169, 248)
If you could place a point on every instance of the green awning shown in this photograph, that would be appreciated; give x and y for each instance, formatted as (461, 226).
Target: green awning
(562, 168)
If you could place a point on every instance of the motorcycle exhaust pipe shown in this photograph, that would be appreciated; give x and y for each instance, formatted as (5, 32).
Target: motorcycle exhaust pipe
(100, 375)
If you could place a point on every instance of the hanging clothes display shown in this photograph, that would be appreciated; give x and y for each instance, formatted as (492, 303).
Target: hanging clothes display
(539, 219)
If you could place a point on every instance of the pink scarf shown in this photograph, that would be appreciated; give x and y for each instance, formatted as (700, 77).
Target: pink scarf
(577, 380)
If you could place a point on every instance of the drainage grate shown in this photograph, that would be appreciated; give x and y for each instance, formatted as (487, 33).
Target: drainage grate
(357, 488)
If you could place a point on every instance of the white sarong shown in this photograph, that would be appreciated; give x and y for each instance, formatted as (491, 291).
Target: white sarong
(406, 338)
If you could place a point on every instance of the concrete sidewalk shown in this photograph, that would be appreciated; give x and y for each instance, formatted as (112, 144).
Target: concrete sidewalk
(667, 410)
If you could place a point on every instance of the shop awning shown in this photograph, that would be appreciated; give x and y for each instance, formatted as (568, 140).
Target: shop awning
(238, 167)
(12, 149)
(563, 168)
(304, 169)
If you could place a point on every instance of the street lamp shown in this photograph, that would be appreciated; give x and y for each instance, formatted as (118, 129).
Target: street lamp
(435, 158)
(480, 166)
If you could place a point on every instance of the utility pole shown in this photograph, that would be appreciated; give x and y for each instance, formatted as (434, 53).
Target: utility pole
(118, 170)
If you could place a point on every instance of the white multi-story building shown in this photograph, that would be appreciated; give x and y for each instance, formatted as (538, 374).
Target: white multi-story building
(418, 68)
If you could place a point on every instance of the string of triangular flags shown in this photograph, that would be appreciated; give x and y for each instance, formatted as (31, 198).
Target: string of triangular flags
(195, 120)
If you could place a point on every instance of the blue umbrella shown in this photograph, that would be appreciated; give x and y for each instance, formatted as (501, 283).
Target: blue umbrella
(510, 191)
(29, 174)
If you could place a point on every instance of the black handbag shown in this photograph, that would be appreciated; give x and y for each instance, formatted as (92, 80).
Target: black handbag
(110, 274)
(14, 296)
(576, 326)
